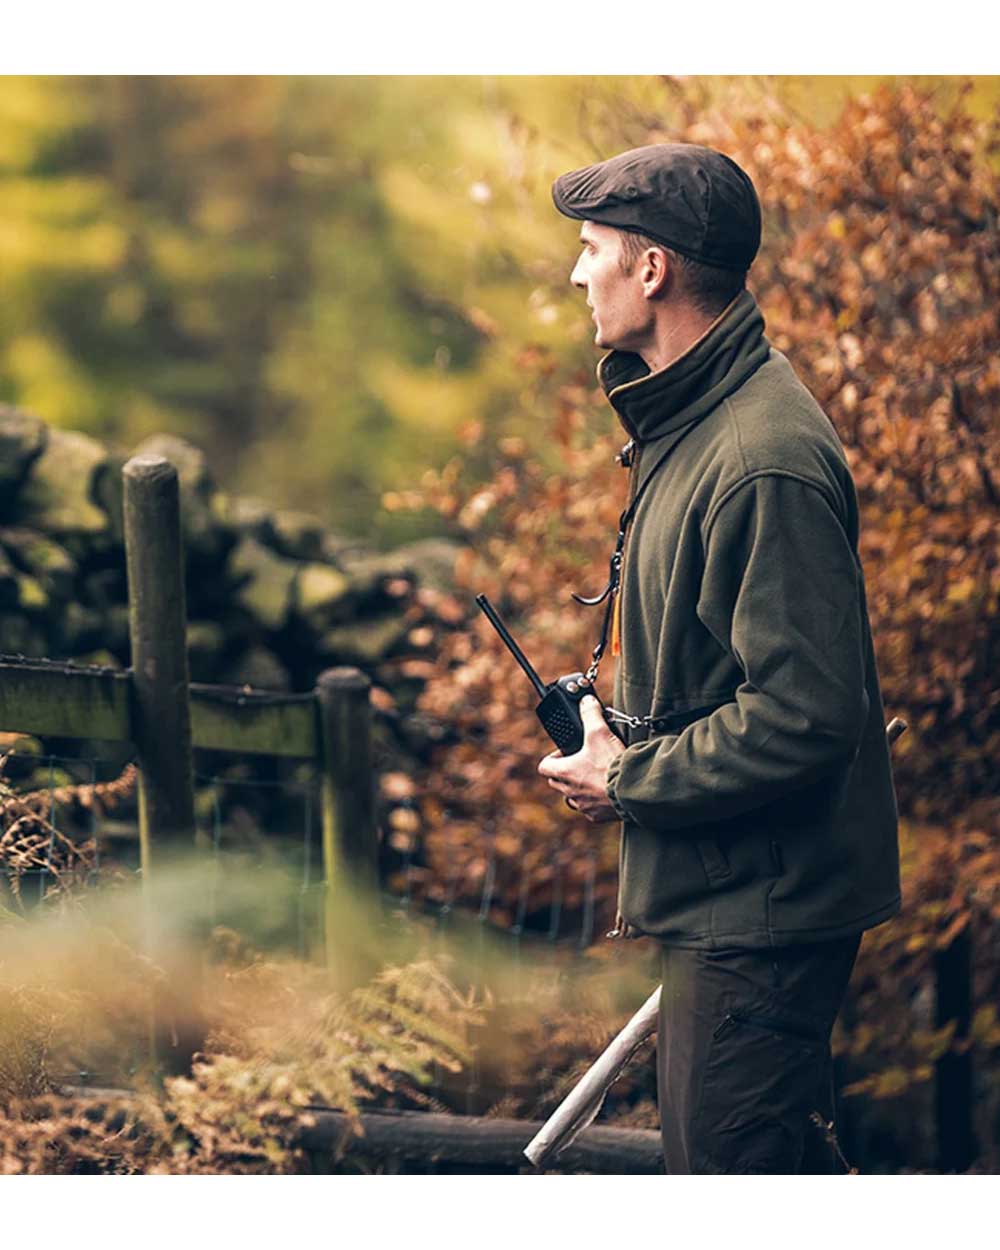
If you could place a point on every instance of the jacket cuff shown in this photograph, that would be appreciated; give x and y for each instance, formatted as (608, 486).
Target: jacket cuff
(611, 784)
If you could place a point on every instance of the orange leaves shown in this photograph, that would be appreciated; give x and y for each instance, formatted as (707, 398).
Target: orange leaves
(899, 260)
(397, 786)
(963, 590)
(879, 277)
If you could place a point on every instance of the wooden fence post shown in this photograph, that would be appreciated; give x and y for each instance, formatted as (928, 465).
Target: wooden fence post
(157, 629)
(953, 1091)
(161, 730)
(350, 838)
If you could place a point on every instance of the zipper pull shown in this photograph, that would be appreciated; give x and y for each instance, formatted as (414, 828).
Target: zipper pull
(627, 453)
(729, 1022)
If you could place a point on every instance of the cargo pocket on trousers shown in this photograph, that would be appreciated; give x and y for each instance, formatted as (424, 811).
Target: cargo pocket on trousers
(762, 1078)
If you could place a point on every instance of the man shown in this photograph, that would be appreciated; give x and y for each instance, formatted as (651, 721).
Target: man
(753, 783)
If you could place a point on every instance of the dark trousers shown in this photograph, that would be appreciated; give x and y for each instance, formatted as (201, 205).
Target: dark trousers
(743, 1057)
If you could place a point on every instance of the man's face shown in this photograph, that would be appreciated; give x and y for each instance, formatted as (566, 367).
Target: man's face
(622, 313)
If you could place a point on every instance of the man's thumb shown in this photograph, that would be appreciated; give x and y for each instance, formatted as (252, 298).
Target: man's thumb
(592, 713)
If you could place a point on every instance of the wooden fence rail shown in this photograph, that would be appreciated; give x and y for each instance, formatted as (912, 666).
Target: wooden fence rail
(154, 706)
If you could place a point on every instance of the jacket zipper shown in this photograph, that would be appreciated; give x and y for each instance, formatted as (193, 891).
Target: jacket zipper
(630, 456)
(633, 478)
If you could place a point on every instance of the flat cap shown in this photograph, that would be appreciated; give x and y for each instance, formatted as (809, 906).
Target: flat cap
(690, 198)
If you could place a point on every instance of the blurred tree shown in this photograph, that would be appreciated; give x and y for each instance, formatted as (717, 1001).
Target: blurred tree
(148, 251)
(323, 281)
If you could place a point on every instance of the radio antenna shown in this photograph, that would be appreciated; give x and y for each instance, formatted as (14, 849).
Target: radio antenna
(512, 647)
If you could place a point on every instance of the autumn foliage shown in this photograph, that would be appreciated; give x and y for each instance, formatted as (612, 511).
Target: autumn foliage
(879, 278)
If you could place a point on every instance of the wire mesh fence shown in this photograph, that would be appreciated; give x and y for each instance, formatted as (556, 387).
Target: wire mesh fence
(241, 813)
(38, 833)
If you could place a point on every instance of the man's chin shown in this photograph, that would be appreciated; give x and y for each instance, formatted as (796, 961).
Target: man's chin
(604, 339)
(606, 343)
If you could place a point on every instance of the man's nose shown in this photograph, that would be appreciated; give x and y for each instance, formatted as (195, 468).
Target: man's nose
(576, 277)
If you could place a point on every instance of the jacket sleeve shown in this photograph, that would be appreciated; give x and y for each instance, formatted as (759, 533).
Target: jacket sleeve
(783, 594)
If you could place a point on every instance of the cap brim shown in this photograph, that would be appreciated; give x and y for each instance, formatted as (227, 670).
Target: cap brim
(559, 198)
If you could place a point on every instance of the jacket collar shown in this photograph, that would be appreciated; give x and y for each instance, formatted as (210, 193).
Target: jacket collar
(652, 405)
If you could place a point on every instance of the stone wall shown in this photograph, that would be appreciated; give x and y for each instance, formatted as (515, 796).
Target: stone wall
(273, 597)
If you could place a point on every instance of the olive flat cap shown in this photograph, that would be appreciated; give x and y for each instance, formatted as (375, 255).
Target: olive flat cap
(690, 198)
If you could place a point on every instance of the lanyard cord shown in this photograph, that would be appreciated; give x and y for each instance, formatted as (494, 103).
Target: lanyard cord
(610, 591)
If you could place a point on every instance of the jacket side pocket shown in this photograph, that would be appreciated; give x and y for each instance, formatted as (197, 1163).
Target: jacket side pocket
(713, 860)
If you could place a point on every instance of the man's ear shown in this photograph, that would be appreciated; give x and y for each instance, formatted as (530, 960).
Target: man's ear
(657, 273)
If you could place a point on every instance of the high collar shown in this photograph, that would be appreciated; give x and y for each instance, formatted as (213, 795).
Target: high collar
(651, 405)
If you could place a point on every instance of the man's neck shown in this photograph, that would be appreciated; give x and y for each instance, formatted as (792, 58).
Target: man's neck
(673, 335)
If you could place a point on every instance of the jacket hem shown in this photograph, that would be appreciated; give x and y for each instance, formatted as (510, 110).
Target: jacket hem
(764, 937)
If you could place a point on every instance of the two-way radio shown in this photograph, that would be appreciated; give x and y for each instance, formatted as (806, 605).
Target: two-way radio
(559, 709)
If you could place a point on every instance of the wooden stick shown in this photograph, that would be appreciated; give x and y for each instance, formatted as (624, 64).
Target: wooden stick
(895, 729)
(580, 1107)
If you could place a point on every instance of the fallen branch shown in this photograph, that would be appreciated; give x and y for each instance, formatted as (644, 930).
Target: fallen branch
(425, 1137)
(480, 1140)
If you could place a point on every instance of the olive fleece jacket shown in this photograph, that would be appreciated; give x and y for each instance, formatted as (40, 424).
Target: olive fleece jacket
(760, 809)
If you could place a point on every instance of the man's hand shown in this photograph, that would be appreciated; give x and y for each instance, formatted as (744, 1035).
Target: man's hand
(581, 778)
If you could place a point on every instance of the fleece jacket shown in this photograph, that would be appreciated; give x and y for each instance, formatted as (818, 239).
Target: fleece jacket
(759, 809)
